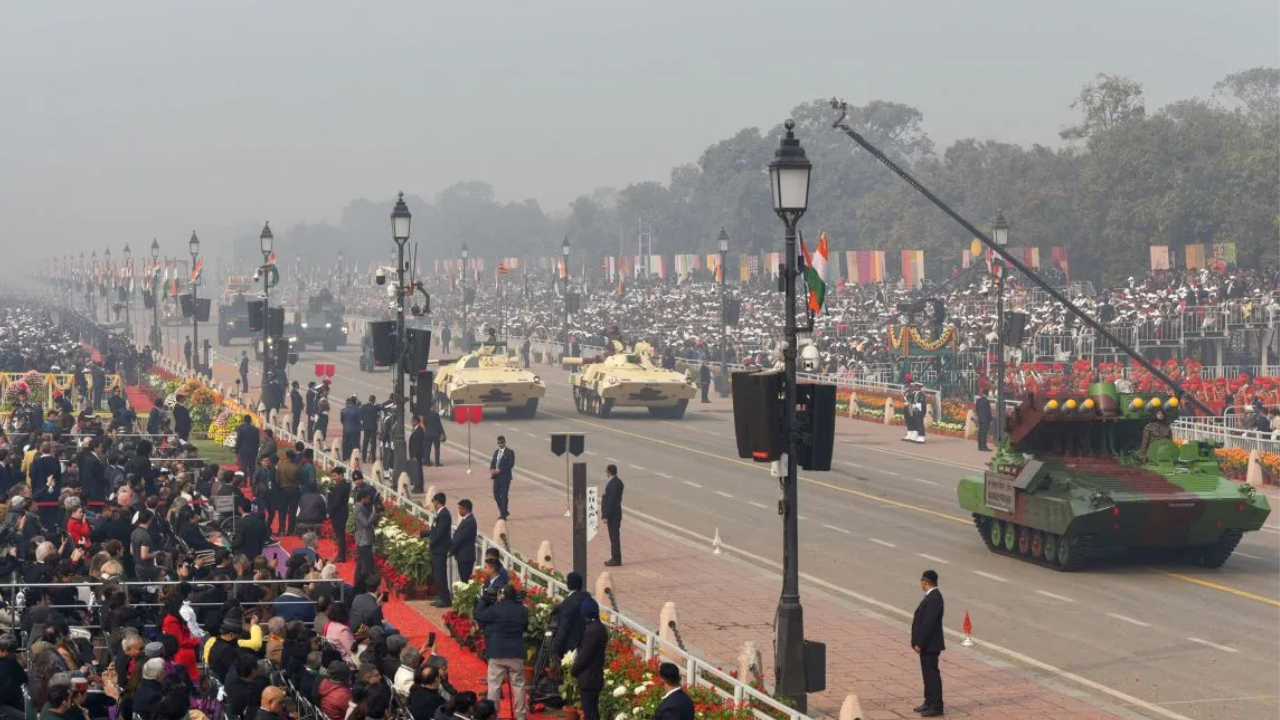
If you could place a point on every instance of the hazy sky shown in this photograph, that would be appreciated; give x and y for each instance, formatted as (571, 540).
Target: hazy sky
(126, 120)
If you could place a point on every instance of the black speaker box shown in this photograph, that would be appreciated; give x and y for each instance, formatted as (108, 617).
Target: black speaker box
(275, 322)
(188, 307)
(423, 389)
(256, 315)
(1015, 325)
(817, 415)
(757, 415)
(419, 349)
(203, 306)
(383, 333)
(148, 300)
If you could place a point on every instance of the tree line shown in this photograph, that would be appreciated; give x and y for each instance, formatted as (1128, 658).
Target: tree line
(1200, 170)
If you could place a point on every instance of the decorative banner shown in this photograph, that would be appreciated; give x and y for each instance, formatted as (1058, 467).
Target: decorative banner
(1195, 257)
(1225, 254)
(1059, 256)
(912, 267)
(865, 266)
(1159, 258)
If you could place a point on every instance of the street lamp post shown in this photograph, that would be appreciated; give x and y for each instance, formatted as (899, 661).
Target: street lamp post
(93, 288)
(564, 258)
(465, 254)
(1001, 237)
(128, 295)
(789, 178)
(156, 340)
(265, 241)
(194, 246)
(400, 221)
(106, 260)
(723, 241)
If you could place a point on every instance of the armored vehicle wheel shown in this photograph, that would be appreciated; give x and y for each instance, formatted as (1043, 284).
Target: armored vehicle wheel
(1213, 556)
(1050, 553)
(1072, 552)
(1037, 544)
(528, 410)
(604, 407)
(1010, 534)
(1024, 542)
(990, 530)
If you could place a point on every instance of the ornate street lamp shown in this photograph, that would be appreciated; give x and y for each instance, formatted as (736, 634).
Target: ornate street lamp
(156, 340)
(1000, 234)
(789, 181)
(465, 306)
(401, 219)
(564, 259)
(193, 245)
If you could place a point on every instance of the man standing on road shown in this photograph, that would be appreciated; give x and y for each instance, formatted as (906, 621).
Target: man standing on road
(367, 515)
(445, 336)
(611, 511)
(928, 642)
(704, 380)
(244, 370)
(435, 436)
(295, 407)
(463, 545)
(186, 350)
(500, 467)
(369, 426)
(350, 421)
(312, 407)
(417, 453)
(982, 409)
(439, 536)
(339, 501)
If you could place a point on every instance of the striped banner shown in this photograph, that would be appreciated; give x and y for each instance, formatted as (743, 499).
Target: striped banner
(912, 267)
(1059, 256)
(865, 266)
(1195, 256)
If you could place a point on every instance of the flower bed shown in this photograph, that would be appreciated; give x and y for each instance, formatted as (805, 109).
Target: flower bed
(1234, 463)
(212, 415)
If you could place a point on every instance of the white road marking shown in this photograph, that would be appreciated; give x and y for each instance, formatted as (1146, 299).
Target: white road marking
(938, 560)
(1131, 621)
(882, 542)
(922, 480)
(722, 493)
(1213, 645)
(1270, 529)
(531, 435)
(753, 503)
(802, 517)
(850, 464)
(637, 467)
(692, 484)
(1247, 555)
(1055, 597)
(663, 475)
(592, 454)
(713, 432)
(837, 529)
(989, 576)
(890, 472)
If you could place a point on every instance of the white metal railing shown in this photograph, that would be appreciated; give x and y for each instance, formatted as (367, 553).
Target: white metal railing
(1213, 431)
(650, 642)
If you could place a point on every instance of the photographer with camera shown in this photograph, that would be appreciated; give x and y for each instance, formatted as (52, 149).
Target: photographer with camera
(504, 619)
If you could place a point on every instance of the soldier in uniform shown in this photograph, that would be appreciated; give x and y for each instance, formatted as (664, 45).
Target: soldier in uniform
(913, 407)
(1154, 430)
(908, 414)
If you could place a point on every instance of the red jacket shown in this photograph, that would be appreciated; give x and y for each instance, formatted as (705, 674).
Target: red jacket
(79, 532)
(187, 644)
(334, 699)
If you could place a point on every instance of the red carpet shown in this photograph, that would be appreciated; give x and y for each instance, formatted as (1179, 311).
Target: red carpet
(139, 398)
(466, 671)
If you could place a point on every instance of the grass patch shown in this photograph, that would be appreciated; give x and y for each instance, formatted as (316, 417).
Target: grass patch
(212, 452)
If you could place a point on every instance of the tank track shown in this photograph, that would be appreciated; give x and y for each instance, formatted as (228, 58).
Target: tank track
(1215, 555)
(1083, 548)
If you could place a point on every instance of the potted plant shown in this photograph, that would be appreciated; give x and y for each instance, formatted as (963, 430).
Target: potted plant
(569, 691)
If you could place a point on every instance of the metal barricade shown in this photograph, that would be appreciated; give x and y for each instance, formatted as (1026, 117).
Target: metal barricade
(1199, 429)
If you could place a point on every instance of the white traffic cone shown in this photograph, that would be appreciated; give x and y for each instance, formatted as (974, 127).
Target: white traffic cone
(715, 543)
(851, 708)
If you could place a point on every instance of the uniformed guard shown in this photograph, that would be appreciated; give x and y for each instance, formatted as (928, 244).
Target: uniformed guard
(1154, 430)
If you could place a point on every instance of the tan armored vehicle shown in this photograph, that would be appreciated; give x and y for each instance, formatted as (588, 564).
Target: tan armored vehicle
(489, 376)
(627, 378)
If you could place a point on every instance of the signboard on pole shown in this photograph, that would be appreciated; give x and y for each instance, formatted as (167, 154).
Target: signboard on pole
(593, 512)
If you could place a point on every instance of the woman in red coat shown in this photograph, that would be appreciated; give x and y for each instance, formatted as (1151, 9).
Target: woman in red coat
(172, 623)
(78, 528)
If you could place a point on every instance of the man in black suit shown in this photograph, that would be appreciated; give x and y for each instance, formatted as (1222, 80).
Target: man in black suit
(181, 419)
(611, 511)
(369, 427)
(339, 502)
(675, 705)
(439, 536)
(982, 408)
(570, 624)
(928, 642)
(463, 545)
(248, 441)
(588, 664)
(295, 408)
(500, 467)
(244, 370)
(417, 453)
(251, 533)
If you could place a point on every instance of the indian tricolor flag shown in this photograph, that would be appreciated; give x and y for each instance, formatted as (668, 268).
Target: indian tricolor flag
(815, 273)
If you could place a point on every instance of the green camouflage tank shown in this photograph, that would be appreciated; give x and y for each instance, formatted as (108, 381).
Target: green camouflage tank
(1088, 476)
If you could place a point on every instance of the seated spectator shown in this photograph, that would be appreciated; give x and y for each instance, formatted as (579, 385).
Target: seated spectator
(338, 632)
(294, 605)
(335, 691)
(424, 697)
(148, 692)
(275, 639)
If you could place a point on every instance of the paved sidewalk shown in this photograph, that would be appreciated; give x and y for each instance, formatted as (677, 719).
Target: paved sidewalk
(723, 601)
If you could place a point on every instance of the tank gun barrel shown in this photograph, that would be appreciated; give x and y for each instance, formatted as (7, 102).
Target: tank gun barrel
(1071, 307)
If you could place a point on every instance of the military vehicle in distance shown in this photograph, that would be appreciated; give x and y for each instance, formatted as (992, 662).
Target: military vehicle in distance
(490, 376)
(626, 378)
(233, 320)
(321, 323)
(1078, 478)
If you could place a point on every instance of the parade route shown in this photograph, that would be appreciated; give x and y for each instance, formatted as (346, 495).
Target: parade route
(1169, 641)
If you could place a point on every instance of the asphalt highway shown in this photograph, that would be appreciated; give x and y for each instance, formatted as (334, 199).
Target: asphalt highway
(1200, 643)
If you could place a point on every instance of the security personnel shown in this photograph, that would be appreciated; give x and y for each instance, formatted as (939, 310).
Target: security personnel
(1154, 430)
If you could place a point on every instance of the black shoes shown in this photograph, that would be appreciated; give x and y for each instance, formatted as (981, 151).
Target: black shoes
(613, 562)
(927, 711)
